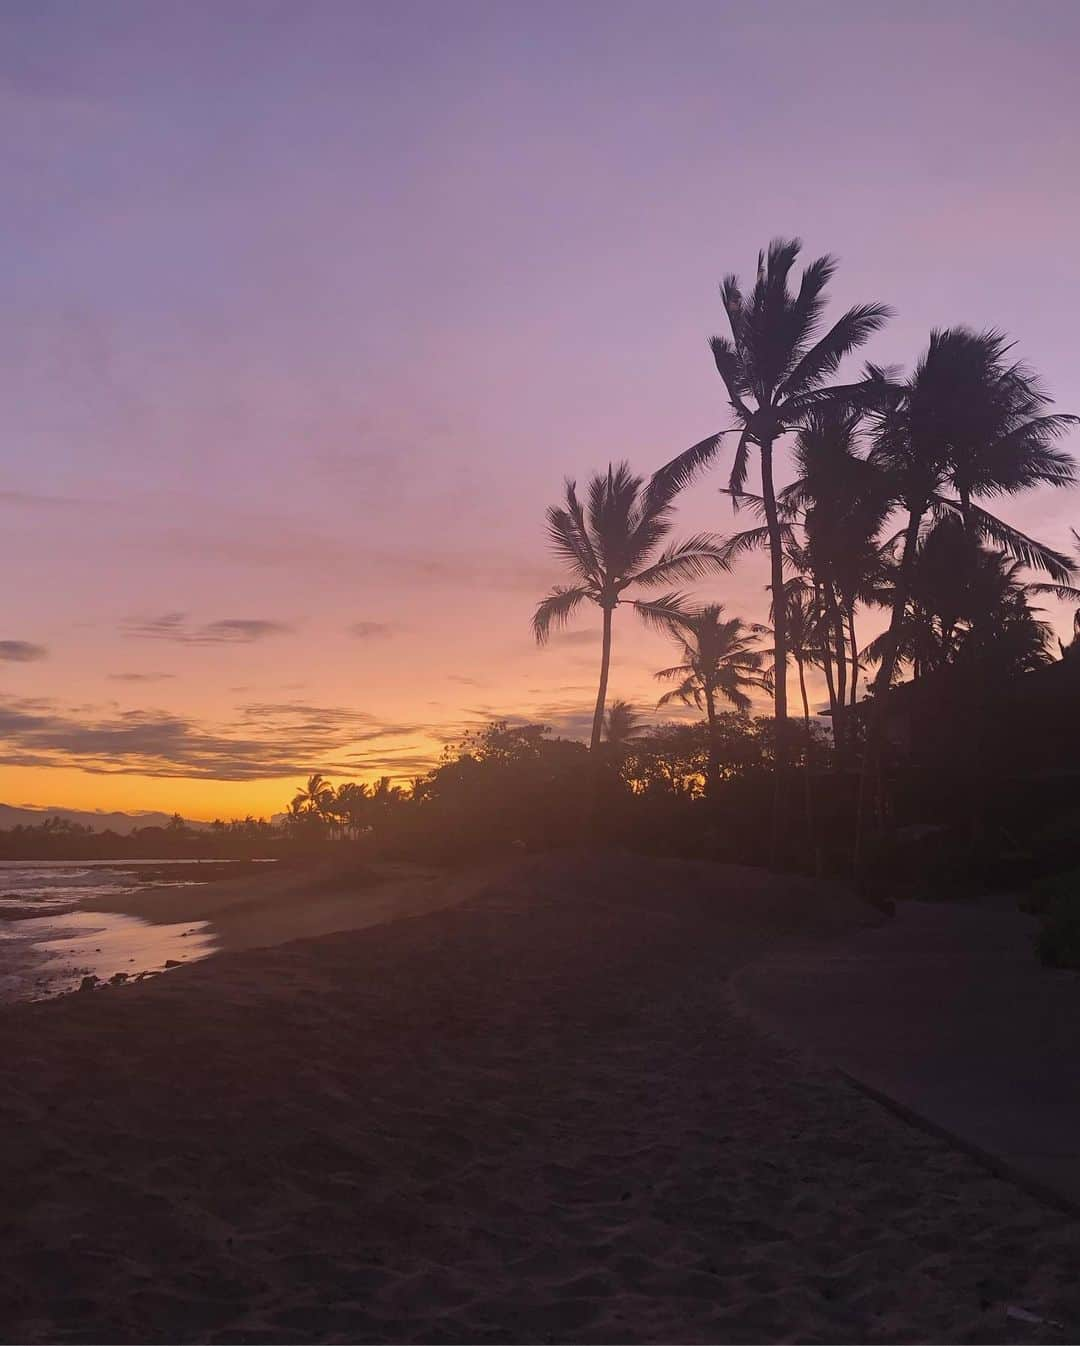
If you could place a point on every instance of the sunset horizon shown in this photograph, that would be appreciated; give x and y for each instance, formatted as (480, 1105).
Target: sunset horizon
(281, 427)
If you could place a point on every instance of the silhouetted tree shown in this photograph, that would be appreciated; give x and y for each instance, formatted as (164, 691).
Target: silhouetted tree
(776, 368)
(718, 660)
(622, 725)
(611, 544)
(968, 421)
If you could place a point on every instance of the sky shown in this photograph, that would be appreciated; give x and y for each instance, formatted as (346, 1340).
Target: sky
(306, 310)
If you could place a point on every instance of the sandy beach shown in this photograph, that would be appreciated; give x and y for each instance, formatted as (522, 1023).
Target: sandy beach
(527, 1111)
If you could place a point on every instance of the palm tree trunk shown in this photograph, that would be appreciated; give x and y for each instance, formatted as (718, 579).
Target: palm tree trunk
(712, 770)
(854, 654)
(810, 831)
(802, 690)
(841, 652)
(976, 711)
(780, 650)
(884, 678)
(835, 716)
(839, 644)
(882, 682)
(601, 695)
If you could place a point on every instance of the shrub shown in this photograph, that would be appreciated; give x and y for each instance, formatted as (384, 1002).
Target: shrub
(1043, 893)
(1058, 942)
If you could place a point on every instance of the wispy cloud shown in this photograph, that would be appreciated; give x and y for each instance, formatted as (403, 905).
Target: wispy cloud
(267, 740)
(39, 500)
(371, 630)
(141, 677)
(579, 637)
(21, 651)
(175, 626)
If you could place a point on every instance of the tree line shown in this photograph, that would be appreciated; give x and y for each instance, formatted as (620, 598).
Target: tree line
(888, 509)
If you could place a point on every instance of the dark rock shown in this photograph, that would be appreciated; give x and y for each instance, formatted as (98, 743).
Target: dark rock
(118, 977)
(88, 983)
(172, 962)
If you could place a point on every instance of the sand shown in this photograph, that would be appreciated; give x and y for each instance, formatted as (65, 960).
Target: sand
(534, 1116)
(299, 902)
(139, 932)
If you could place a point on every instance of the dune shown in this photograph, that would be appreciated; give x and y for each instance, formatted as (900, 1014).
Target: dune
(531, 1116)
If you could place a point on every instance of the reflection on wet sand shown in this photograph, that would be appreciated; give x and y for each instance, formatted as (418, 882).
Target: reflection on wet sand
(56, 954)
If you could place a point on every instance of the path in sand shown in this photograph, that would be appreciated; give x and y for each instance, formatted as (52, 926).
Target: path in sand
(947, 1011)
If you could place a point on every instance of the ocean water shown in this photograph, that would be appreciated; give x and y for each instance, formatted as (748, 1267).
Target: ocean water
(52, 885)
(48, 943)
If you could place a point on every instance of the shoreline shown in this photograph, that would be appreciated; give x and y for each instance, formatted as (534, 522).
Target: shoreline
(147, 931)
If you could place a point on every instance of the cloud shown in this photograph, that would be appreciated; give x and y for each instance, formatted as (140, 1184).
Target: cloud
(465, 682)
(371, 630)
(584, 637)
(141, 677)
(21, 651)
(39, 500)
(267, 740)
(230, 631)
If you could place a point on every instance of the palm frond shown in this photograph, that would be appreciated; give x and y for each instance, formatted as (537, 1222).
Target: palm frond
(1028, 550)
(660, 613)
(856, 327)
(739, 465)
(696, 558)
(676, 671)
(688, 692)
(668, 480)
(741, 544)
(554, 611)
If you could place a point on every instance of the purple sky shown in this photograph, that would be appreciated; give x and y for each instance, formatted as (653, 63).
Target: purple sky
(308, 308)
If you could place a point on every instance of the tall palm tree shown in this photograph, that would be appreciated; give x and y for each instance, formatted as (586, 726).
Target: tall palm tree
(969, 423)
(718, 661)
(776, 365)
(844, 501)
(611, 543)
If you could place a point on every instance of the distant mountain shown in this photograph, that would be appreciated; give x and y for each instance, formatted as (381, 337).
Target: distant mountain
(10, 816)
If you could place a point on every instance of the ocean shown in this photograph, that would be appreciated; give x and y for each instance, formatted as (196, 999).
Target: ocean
(49, 943)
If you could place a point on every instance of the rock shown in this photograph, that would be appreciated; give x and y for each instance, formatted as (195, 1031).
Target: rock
(172, 962)
(118, 977)
(88, 983)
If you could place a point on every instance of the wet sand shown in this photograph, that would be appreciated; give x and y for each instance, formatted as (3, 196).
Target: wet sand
(135, 933)
(533, 1116)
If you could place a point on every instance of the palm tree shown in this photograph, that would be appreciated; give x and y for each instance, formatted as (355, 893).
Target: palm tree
(351, 806)
(844, 501)
(968, 607)
(384, 794)
(610, 544)
(316, 799)
(775, 367)
(717, 661)
(622, 726)
(968, 422)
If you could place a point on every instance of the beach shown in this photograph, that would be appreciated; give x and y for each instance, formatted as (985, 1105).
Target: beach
(522, 1106)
